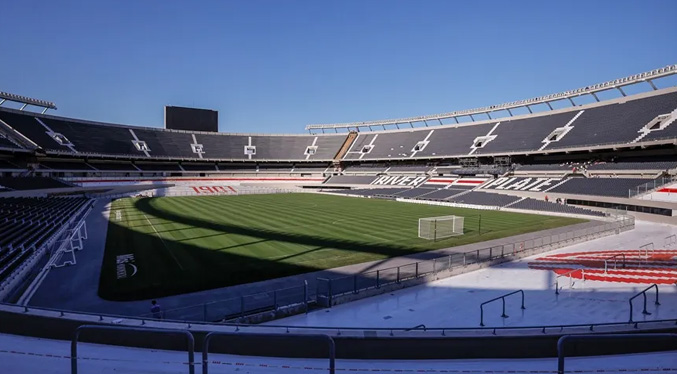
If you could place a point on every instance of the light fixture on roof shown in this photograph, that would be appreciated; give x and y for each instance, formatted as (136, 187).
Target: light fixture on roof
(6, 96)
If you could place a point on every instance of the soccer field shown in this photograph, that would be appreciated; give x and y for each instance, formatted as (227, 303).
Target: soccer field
(171, 245)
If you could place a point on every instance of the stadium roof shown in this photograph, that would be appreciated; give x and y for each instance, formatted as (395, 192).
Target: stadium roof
(5, 96)
(588, 90)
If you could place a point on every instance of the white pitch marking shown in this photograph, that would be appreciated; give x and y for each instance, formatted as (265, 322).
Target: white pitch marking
(163, 242)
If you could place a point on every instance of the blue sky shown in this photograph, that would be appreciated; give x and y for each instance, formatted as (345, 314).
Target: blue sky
(275, 66)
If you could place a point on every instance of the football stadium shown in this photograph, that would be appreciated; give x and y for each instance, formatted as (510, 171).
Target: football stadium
(530, 236)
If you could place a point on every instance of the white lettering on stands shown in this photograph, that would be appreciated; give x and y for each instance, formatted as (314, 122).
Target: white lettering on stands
(521, 184)
(388, 180)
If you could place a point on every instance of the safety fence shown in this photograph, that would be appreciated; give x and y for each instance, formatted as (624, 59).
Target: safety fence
(329, 289)
(241, 306)
(650, 186)
(298, 299)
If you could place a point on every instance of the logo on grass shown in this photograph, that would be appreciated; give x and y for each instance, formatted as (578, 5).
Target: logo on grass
(124, 264)
(622, 266)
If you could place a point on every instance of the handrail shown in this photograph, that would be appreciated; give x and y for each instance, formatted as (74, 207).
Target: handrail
(592, 337)
(670, 241)
(502, 297)
(417, 327)
(613, 257)
(646, 248)
(330, 343)
(643, 292)
(100, 316)
(582, 270)
(76, 335)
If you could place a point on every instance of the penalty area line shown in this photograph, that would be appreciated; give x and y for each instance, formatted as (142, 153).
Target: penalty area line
(163, 242)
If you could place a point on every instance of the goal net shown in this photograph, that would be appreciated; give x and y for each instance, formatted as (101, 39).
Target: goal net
(433, 228)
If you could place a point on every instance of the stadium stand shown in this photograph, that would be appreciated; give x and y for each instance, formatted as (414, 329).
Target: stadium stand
(6, 143)
(615, 123)
(365, 168)
(419, 169)
(193, 166)
(524, 134)
(350, 179)
(7, 165)
(113, 166)
(65, 165)
(544, 167)
(544, 206)
(382, 192)
(657, 165)
(439, 194)
(31, 183)
(158, 166)
(484, 198)
(74, 136)
(600, 186)
(27, 223)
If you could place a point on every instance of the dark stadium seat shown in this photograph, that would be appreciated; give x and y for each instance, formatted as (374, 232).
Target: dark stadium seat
(31, 183)
(544, 206)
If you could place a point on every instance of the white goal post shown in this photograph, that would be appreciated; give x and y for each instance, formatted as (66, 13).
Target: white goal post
(433, 228)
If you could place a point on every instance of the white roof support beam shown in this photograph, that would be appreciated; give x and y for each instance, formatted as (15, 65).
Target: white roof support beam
(588, 90)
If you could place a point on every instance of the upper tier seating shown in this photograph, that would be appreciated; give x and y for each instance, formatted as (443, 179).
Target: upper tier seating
(617, 187)
(599, 124)
(616, 123)
(524, 134)
(97, 138)
(31, 183)
(605, 124)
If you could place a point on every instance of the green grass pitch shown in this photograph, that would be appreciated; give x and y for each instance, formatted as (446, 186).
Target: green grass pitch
(185, 244)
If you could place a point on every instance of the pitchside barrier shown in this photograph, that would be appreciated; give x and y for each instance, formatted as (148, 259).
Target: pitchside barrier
(342, 289)
(258, 307)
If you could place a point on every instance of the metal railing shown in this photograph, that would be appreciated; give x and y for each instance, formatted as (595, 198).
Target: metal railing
(644, 250)
(268, 338)
(570, 275)
(643, 293)
(122, 320)
(670, 241)
(649, 186)
(561, 343)
(240, 306)
(189, 340)
(330, 288)
(502, 298)
(327, 289)
(615, 260)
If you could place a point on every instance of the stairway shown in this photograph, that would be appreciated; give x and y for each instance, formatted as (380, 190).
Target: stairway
(345, 147)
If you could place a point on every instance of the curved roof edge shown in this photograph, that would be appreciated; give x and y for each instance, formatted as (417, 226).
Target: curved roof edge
(588, 90)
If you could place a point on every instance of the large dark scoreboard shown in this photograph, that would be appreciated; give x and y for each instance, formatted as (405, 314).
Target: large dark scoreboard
(191, 119)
